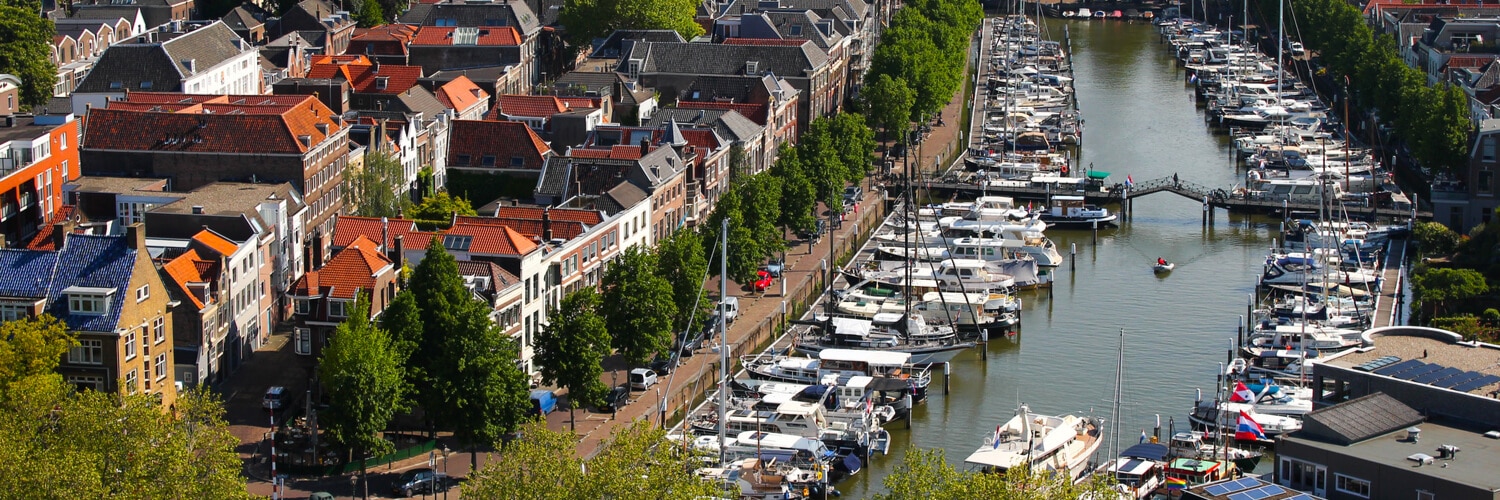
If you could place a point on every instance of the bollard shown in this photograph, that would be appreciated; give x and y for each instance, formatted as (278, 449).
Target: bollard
(984, 343)
(1096, 232)
(1073, 255)
(947, 375)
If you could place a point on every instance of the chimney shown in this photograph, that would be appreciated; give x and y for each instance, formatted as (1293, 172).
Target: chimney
(60, 232)
(396, 254)
(645, 146)
(375, 68)
(385, 233)
(546, 224)
(135, 236)
(317, 250)
(197, 209)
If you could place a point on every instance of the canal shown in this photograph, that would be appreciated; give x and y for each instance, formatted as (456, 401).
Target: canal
(1141, 121)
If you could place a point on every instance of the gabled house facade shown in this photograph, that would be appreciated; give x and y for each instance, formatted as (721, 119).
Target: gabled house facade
(325, 297)
(207, 60)
(496, 147)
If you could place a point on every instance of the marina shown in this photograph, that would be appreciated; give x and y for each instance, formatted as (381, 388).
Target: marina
(921, 333)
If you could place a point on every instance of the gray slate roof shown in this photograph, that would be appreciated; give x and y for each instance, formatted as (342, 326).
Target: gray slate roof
(241, 19)
(1358, 419)
(612, 46)
(729, 124)
(621, 197)
(163, 64)
(717, 59)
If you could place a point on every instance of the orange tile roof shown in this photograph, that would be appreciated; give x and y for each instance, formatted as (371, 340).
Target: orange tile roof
(493, 240)
(527, 105)
(616, 152)
(503, 139)
(461, 93)
(489, 36)
(349, 271)
(348, 227)
(387, 40)
(363, 75)
(565, 229)
(216, 242)
(702, 138)
(43, 238)
(580, 102)
(590, 217)
(219, 124)
(189, 268)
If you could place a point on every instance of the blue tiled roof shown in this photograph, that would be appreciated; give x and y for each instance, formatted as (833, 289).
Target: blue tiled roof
(86, 261)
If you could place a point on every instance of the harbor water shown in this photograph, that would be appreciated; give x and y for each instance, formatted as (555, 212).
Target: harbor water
(1140, 121)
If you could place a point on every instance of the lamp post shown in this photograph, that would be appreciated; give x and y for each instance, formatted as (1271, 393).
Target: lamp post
(445, 472)
(353, 486)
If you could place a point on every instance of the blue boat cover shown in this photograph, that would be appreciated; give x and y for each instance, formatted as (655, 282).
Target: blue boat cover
(1148, 451)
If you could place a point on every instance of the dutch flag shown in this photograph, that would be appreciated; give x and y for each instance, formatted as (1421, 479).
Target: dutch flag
(1248, 430)
(1241, 394)
(1129, 181)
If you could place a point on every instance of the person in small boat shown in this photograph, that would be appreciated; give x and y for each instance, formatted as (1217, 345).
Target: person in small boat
(1161, 262)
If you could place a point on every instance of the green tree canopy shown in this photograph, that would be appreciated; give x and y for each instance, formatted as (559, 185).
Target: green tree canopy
(370, 15)
(799, 198)
(680, 260)
(924, 474)
(31, 347)
(571, 346)
(890, 103)
(639, 464)
(638, 304)
(26, 49)
(760, 204)
(744, 251)
(855, 142)
(375, 190)
(362, 375)
(1444, 285)
(586, 20)
(1434, 238)
(440, 208)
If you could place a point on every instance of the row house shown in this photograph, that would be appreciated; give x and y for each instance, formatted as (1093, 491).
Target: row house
(90, 37)
(624, 102)
(38, 154)
(197, 140)
(496, 147)
(248, 22)
(319, 22)
(843, 29)
(773, 105)
(1446, 37)
(416, 137)
(674, 69)
(643, 157)
(153, 12)
(487, 15)
(1473, 197)
(255, 230)
(325, 296)
(437, 48)
(108, 26)
(206, 60)
(386, 44)
(729, 125)
(493, 80)
(107, 292)
(706, 176)
(200, 317)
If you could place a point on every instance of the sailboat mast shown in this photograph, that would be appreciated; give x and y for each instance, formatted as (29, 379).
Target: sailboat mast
(723, 335)
(1114, 416)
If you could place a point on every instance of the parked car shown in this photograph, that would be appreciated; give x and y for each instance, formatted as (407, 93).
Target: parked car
(663, 365)
(775, 267)
(642, 378)
(731, 308)
(617, 398)
(763, 281)
(1297, 49)
(274, 399)
(853, 194)
(543, 402)
(421, 481)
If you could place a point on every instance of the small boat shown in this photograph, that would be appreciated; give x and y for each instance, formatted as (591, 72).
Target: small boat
(1164, 268)
(1099, 14)
(1085, 13)
(1116, 14)
(1059, 443)
(1074, 211)
(1067, 13)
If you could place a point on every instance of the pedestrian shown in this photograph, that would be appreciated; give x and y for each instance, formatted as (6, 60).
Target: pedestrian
(1175, 182)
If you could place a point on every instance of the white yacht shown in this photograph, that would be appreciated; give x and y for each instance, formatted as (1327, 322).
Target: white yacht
(1059, 443)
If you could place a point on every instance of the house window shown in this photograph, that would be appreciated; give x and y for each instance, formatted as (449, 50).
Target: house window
(161, 366)
(143, 293)
(1426, 495)
(130, 345)
(159, 330)
(1351, 485)
(336, 308)
(488, 160)
(1304, 476)
(86, 382)
(93, 305)
(14, 311)
(1488, 154)
(1486, 182)
(132, 383)
(87, 352)
(516, 161)
(463, 159)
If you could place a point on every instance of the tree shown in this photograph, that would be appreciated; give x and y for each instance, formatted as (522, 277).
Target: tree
(26, 49)
(890, 103)
(744, 254)
(680, 260)
(855, 142)
(56, 442)
(440, 208)
(366, 386)
(589, 19)
(1434, 238)
(799, 198)
(1444, 285)
(403, 323)
(32, 346)
(370, 15)
(640, 463)
(924, 474)
(639, 306)
(375, 190)
(569, 349)
(822, 163)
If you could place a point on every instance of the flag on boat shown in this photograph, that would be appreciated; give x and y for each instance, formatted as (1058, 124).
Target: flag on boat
(1143, 436)
(1176, 483)
(1241, 394)
(1193, 78)
(996, 439)
(1129, 181)
(1248, 430)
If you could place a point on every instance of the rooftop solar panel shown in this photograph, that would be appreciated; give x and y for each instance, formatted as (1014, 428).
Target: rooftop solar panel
(1417, 372)
(1400, 367)
(1460, 379)
(1431, 377)
(1486, 380)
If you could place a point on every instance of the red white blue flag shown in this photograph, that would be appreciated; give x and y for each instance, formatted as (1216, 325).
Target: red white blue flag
(1129, 181)
(1241, 393)
(1248, 430)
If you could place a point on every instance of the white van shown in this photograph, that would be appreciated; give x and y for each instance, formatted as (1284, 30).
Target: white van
(274, 398)
(731, 308)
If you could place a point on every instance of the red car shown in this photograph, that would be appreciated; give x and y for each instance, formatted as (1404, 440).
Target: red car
(762, 281)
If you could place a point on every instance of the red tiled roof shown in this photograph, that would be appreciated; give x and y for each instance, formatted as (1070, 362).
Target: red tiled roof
(565, 229)
(701, 138)
(764, 41)
(489, 36)
(43, 238)
(527, 105)
(189, 268)
(580, 102)
(349, 271)
(502, 139)
(616, 152)
(364, 76)
(221, 124)
(1471, 62)
(387, 40)
(461, 93)
(216, 242)
(348, 228)
(590, 217)
(755, 112)
(493, 240)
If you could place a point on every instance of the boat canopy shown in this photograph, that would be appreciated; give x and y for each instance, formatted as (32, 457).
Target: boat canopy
(1000, 459)
(1148, 451)
(1133, 466)
(1098, 174)
(854, 327)
(877, 358)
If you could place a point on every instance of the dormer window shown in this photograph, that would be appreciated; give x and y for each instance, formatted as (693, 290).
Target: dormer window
(337, 308)
(381, 82)
(89, 301)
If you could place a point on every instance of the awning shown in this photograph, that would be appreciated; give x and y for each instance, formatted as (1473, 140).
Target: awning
(1098, 174)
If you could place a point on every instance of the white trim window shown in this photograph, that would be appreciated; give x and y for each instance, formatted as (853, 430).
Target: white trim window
(87, 352)
(87, 304)
(130, 344)
(337, 308)
(161, 366)
(132, 383)
(1351, 485)
(143, 293)
(89, 382)
(159, 330)
(304, 306)
(11, 311)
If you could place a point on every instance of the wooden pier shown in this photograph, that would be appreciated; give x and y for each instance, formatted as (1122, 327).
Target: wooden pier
(1390, 302)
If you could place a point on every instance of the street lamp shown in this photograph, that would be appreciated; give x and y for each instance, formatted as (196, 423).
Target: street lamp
(353, 486)
(445, 472)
